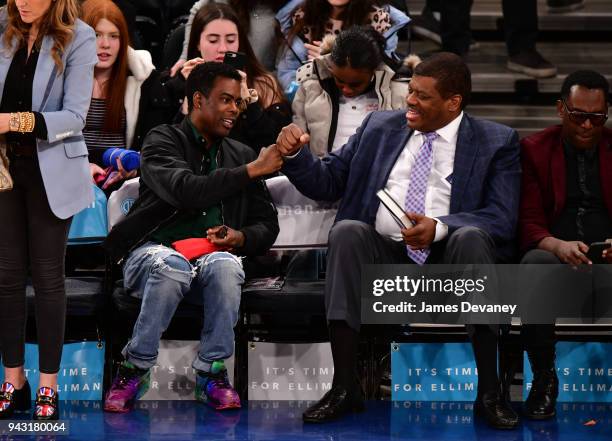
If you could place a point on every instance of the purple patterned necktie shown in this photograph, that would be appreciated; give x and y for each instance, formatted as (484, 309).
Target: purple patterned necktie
(415, 197)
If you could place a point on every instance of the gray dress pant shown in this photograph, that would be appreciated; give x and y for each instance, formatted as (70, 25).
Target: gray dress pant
(353, 244)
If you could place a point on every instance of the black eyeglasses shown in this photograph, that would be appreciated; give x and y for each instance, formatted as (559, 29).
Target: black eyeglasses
(578, 117)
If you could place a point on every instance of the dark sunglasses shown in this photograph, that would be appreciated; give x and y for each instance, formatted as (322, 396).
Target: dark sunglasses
(578, 117)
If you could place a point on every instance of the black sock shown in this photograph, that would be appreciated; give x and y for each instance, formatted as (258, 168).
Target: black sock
(484, 342)
(542, 358)
(345, 347)
(540, 345)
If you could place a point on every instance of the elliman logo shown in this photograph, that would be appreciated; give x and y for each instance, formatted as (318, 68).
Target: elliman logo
(126, 204)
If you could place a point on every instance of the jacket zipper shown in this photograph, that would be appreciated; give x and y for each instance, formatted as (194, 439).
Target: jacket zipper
(202, 173)
(221, 201)
(380, 93)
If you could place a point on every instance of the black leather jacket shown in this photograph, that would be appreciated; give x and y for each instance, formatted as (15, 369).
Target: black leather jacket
(172, 185)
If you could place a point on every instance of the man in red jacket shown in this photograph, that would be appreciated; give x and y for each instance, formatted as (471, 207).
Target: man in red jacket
(566, 204)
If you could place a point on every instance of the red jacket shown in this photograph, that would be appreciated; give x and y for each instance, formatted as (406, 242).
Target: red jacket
(543, 190)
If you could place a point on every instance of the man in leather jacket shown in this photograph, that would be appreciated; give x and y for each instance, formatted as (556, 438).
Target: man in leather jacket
(195, 184)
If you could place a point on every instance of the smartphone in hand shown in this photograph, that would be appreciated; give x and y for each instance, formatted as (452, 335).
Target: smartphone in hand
(235, 59)
(595, 250)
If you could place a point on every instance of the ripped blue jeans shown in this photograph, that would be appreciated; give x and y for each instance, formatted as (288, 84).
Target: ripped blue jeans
(162, 278)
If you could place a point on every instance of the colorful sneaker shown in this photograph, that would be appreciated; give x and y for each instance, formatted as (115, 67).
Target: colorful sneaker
(130, 384)
(12, 399)
(47, 406)
(214, 388)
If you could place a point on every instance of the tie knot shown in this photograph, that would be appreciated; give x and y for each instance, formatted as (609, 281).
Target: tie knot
(430, 136)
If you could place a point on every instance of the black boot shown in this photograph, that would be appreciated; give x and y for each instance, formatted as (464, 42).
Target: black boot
(345, 395)
(12, 399)
(334, 404)
(496, 411)
(542, 398)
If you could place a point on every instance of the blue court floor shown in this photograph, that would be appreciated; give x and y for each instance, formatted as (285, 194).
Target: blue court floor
(281, 420)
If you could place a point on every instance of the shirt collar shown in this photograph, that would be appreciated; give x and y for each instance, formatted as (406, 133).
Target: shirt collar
(196, 134)
(570, 150)
(450, 131)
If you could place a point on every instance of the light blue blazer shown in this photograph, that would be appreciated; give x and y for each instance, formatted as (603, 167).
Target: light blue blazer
(63, 99)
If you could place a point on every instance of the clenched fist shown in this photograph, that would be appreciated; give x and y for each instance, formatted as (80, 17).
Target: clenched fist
(268, 162)
(290, 139)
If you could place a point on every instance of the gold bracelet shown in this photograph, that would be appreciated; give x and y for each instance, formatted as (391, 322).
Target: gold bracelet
(29, 122)
(32, 121)
(26, 122)
(22, 122)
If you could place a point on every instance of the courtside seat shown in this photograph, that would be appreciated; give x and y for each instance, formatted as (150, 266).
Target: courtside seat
(85, 296)
(295, 297)
(296, 311)
(293, 314)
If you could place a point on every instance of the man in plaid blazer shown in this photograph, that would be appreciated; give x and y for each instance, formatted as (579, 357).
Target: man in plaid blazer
(468, 171)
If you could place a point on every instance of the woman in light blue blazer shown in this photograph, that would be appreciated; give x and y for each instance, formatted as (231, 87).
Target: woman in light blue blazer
(47, 57)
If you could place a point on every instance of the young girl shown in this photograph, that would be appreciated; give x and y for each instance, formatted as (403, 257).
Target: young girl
(339, 89)
(305, 22)
(129, 97)
(216, 30)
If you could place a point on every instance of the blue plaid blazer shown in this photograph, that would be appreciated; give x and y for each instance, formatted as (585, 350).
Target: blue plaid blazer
(485, 182)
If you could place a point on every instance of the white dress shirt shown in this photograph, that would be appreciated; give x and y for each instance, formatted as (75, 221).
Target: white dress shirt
(439, 183)
(351, 113)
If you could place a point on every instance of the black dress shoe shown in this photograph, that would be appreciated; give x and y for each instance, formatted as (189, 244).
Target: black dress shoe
(542, 398)
(46, 406)
(12, 399)
(334, 404)
(496, 411)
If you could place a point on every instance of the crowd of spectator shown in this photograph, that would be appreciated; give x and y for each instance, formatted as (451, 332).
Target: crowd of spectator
(315, 90)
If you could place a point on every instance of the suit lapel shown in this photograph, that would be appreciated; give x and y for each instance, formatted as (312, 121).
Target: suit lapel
(398, 139)
(395, 141)
(44, 75)
(557, 176)
(465, 154)
(6, 58)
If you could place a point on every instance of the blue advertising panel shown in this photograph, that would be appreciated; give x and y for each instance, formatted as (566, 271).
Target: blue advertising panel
(433, 372)
(584, 370)
(81, 370)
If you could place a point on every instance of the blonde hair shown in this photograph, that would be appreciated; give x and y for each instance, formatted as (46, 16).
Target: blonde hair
(58, 22)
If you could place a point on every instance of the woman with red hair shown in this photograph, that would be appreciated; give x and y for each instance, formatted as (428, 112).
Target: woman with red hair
(128, 97)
